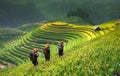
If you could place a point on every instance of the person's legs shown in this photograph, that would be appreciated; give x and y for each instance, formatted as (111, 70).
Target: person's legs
(35, 63)
(47, 57)
(61, 52)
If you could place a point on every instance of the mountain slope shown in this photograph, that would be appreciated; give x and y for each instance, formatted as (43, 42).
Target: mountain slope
(15, 12)
(86, 59)
(9, 34)
(73, 35)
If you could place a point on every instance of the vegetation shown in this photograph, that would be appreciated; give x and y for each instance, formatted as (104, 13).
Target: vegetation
(79, 13)
(15, 12)
(84, 54)
(29, 27)
(9, 34)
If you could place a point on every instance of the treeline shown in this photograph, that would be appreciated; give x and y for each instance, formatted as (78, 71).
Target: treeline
(79, 13)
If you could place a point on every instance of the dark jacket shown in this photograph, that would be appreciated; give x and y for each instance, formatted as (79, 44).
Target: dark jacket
(60, 47)
(33, 57)
(46, 51)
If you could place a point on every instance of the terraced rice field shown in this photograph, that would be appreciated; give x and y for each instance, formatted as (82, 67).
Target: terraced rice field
(18, 51)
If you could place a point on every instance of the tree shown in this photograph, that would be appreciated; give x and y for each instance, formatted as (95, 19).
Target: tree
(79, 13)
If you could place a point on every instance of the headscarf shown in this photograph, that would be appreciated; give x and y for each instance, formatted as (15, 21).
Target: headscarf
(61, 42)
(34, 50)
(47, 45)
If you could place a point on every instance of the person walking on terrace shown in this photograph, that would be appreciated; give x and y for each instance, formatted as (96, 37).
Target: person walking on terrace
(46, 52)
(33, 56)
(60, 48)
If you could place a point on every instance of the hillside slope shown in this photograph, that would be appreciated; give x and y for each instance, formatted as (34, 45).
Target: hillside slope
(73, 36)
(15, 12)
(9, 34)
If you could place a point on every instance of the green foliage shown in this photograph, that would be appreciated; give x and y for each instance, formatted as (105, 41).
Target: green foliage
(9, 34)
(28, 27)
(15, 12)
(81, 56)
(79, 13)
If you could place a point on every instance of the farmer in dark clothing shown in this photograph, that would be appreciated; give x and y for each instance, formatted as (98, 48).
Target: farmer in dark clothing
(60, 48)
(47, 52)
(33, 57)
